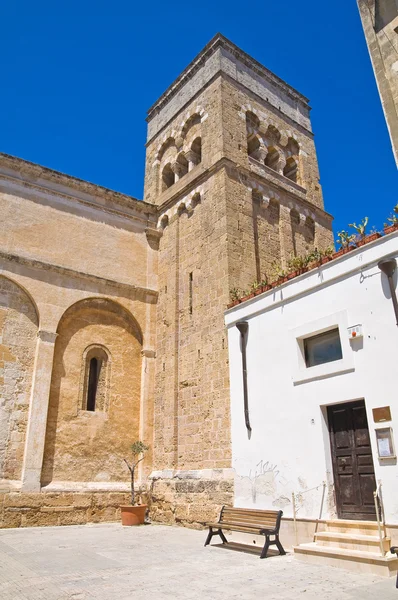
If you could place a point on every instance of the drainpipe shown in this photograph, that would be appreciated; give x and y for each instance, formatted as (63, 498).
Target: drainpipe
(243, 327)
(388, 267)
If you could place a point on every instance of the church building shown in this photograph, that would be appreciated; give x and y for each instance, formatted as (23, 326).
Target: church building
(112, 308)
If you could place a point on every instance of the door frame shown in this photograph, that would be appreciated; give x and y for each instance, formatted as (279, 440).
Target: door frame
(331, 457)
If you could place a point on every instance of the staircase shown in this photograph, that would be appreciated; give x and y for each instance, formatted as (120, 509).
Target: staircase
(352, 545)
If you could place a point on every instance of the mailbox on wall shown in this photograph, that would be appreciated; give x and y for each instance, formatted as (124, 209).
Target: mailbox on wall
(385, 443)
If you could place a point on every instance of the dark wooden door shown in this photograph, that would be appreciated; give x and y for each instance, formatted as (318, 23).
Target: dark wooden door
(354, 476)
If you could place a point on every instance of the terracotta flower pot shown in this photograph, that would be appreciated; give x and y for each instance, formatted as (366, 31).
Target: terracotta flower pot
(391, 228)
(133, 515)
(372, 237)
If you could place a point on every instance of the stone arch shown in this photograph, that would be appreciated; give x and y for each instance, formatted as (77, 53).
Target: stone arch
(273, 134)
(168, 177)
(181, 165)
(86, 445)
(195, 200)
(309, 229)
(196, 149)
(252, 121)
(168, 143)
(19, 325)
(190, 122)
(98, 398)
(163, 221)
(292, 147)
(253, 145)
(291, 169)
(272, 160)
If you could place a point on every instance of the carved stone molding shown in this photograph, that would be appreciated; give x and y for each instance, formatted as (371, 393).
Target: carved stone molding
(148, 353)
(47, 336)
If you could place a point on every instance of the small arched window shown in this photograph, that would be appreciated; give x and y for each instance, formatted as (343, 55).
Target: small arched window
(96, 379)
(291, 168)
(272, 158)
(196, 147)
(253, 146)
(168, 177)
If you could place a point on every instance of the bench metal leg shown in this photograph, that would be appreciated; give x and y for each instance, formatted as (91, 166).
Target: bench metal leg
(266, 546)
(209, 536)
(217, 532)
(222, 536)
(279, 545)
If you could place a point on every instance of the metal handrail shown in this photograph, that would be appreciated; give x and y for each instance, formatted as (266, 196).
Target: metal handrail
(295, 510)
(379, 508)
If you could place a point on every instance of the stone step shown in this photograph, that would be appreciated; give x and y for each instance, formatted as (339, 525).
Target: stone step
(352, 541)
(352, 560)
(346, 526)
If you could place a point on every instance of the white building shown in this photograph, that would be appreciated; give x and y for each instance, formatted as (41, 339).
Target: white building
(322, 406)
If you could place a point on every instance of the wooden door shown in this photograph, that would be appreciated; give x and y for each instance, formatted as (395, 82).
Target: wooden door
(354, 476)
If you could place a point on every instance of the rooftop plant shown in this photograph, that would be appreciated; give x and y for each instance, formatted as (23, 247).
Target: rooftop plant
(361, 228)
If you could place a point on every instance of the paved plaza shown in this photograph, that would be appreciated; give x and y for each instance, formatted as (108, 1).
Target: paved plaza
(156, 562)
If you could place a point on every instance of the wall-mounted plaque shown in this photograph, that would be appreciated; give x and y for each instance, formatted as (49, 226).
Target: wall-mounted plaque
(385, 443)
(381, 414)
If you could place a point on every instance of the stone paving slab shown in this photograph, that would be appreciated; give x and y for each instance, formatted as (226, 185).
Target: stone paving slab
(108, 561)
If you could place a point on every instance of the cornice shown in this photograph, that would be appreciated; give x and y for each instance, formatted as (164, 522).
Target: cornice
(245, 175)
(219, 41)
(30, 173)
(67, 272)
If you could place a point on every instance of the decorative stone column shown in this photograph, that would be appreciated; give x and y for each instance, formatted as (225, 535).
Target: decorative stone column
(192, 158)
(262, 154)
(38, 408)
(177, 170)
(146, 406)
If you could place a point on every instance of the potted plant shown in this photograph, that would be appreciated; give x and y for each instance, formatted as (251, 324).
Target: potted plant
(134, 514)
(265, 286)
(373, 235)
(361, 231)
(393, 220)
(234, 295)
(327, 254)
(345, 241)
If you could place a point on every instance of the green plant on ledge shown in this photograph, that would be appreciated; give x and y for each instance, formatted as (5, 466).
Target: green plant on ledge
(254, 286)
(137, 449)
(393, 220)
(345, 239)
(235, 294)
(361, 228)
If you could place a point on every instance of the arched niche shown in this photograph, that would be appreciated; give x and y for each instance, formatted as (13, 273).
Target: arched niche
(89, 445)
(19, 323)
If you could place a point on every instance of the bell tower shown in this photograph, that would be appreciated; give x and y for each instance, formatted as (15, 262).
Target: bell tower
(231, 166)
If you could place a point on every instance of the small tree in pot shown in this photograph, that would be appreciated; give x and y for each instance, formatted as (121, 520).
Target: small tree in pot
(134, 514)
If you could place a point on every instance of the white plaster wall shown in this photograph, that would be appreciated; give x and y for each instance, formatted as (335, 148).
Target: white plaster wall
(289, 449)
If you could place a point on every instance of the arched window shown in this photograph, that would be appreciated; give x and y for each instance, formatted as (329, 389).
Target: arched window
(168, 177)
(182, 165)
(253, 146)
(252, 121)
(272, 158)
(291, 168)
(196, 148)
(96, 379)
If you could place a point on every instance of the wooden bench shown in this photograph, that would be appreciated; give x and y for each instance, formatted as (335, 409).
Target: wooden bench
(248, 520)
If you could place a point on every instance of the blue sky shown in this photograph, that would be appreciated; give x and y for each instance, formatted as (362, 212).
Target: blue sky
(78, 77)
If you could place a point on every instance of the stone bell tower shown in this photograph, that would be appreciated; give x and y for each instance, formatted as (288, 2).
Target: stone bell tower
(232, 168)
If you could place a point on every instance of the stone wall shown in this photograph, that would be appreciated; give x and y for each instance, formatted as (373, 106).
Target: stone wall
(18, 329)
(190, 498)
(60, 508)
(380, 24)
